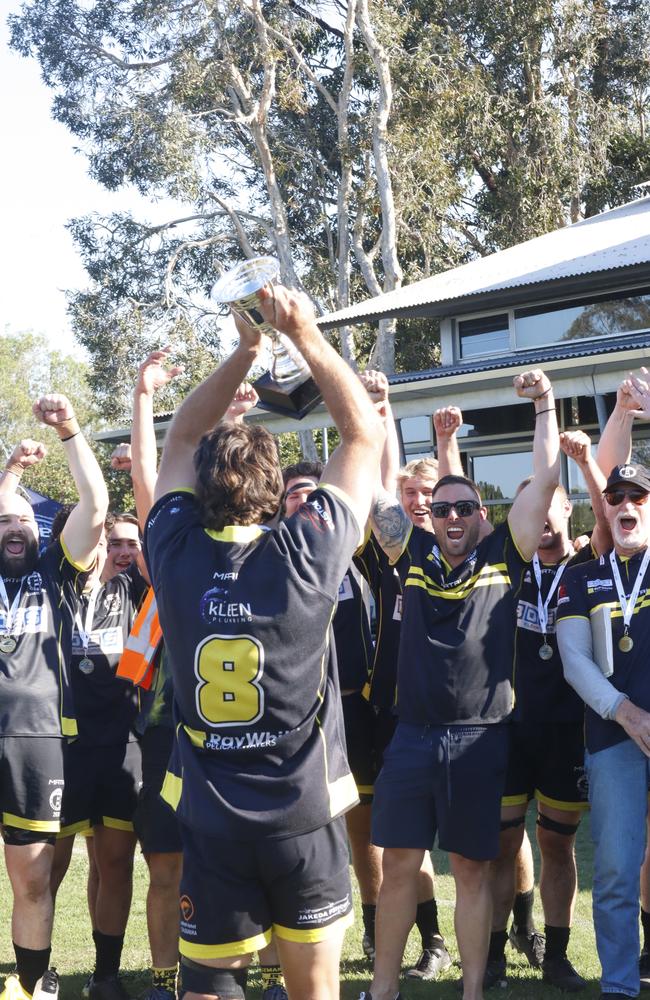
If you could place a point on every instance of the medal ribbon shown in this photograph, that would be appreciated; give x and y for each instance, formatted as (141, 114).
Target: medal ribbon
(84, 629)
(627, 604)
(15, 604)
(542, 606)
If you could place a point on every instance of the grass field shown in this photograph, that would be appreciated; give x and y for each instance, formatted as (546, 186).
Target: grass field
(73, 951)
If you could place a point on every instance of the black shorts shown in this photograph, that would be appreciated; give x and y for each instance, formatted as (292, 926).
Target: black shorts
(360, 720)
(546, 762)
(235, 894)
(155, 822)
(385, 726)
(31, 784)
(101, 786)
(446, 781)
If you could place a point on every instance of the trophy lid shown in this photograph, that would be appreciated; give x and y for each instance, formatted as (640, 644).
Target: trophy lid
(245, 279)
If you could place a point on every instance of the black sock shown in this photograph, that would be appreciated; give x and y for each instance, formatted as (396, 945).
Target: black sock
(108, 952)
(645, 924)
(557, 941)
(30, 965)
(497, 950)
(426, 919)
(369, 911)
(522, 913)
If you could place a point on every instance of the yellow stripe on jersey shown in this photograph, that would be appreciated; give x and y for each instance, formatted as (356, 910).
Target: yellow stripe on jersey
(172, 789)
(35, 825)
(69, 727)
(314, 934)
(197, 738)
(236, 533)
(487, 576)
(244, 947)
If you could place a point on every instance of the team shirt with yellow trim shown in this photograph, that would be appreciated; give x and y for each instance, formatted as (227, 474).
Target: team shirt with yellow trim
(541, 692)
(35, 694)
(456, 656)
(352, 636)
(383, 580)
(583, 590)
(246, 615)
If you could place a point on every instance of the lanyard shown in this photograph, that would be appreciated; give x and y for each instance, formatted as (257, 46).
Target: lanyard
(542, 606)
(85, 629)
(15, 604)
(627, 604)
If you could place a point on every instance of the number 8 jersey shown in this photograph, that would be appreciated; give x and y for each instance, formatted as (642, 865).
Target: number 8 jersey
(246, 616)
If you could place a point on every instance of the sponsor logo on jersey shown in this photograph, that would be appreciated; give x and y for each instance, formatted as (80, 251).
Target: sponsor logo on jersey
(527, 618)
(55, 802)
(217, 609)
(102, 640)
(34, 583)
(113, 604)
(225, 576)
(248, 741)
(315, 512)
(397, 611)
(345, 590)
(320, 915)
(187, 907)
(594, 585)
(27, 621)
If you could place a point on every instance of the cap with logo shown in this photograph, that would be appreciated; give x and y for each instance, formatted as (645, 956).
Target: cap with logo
(629, 474)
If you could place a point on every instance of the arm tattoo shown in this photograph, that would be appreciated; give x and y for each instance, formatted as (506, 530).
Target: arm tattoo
(390, 524)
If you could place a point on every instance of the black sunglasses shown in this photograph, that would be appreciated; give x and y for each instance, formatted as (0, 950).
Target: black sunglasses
(464, 508)
(616, 497)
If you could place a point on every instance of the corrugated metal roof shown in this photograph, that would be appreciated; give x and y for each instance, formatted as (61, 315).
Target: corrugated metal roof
(532, 359)
(614, 240)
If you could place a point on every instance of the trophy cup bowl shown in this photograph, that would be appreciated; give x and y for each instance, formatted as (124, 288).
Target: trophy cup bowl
(288, 388)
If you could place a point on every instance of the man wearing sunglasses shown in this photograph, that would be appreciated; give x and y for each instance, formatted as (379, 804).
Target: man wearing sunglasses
(603, 622)
(443, 772)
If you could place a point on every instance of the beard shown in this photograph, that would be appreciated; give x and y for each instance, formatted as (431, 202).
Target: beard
(14, 567)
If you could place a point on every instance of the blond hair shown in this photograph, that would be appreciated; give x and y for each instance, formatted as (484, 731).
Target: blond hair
(427, 468)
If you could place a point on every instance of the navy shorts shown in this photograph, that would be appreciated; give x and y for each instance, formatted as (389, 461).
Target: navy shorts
(546, 762)
(155, 822)
(31, 785)
(101, 786)
(359, 720)
(444, 780)
(235, 894)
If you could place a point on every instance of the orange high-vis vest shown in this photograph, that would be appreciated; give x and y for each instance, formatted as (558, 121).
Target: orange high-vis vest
(137, 661)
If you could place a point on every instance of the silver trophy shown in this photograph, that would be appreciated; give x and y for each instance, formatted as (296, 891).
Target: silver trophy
(289, 387)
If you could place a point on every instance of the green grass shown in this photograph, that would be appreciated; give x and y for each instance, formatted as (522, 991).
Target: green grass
(73, 951)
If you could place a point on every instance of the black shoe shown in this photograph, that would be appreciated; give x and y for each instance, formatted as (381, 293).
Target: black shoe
(431, 963)
(560, 973)
(107, 989)
(531, 945)
(495, 974)
(644, 969)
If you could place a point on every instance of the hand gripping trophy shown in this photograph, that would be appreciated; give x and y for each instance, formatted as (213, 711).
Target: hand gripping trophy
(288, 388)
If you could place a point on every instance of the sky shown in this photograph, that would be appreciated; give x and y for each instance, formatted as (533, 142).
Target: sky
(44, 183)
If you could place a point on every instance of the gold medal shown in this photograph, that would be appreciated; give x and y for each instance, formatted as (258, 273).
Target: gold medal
(625, 643)
(7, 644)
(545, 651)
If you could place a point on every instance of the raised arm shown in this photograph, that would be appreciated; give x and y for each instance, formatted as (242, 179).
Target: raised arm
(152, 375)
(84, 527)
(244, 400)
(447, 422)
(376, 385)
(26, 454)
(528, 513)
(576, 445)
(390, 524)
(615, 442)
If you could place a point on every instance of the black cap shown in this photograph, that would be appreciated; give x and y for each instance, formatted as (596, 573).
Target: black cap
(629, 475)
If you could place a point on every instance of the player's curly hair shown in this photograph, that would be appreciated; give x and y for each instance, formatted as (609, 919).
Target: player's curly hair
(238, 477)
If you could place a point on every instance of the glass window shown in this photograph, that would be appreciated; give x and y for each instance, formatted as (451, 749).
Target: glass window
(486, 335)
(602, 316)
(498, 476)
(415, 429)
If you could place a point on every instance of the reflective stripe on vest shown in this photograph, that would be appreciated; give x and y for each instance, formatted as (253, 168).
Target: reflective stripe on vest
(137, 661)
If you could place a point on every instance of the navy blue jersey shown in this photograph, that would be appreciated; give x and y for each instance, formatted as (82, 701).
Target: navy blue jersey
(35, 696)
(456, 655)
(583, 590)
(541, 692)
(352, 637)
(246, 615)
(106, 706)
(386, 590)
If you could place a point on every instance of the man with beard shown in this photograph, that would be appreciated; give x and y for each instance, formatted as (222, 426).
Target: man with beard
(444, 770)
(610, 596)
(37, 606)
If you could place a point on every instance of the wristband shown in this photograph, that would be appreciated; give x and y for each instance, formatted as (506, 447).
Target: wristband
(69, 437)
(542, 394)
(13, 472)
(547, 410)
